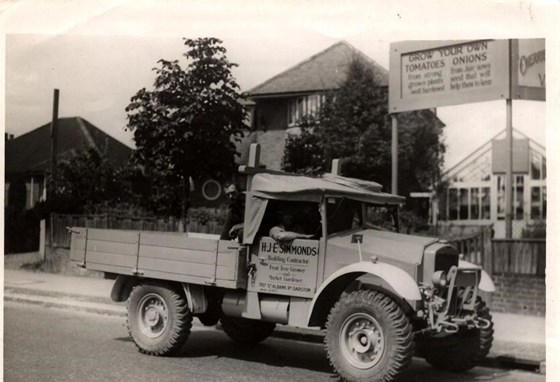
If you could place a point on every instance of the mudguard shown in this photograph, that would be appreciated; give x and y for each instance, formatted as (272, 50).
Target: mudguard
(486, 284)
(122, 287)
(196, 299)
(398, 280)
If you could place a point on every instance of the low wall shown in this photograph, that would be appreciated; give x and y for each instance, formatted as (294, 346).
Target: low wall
(519, 294)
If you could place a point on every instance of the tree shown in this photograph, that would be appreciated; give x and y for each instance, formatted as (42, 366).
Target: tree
(183, 128)
(83, 183)
(303, 151)
(353, 125)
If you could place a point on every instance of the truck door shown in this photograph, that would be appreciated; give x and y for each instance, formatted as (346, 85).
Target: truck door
(284, 269)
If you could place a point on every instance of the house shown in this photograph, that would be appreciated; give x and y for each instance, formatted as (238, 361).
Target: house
(283, 99)
(28, 157)
(476, 186)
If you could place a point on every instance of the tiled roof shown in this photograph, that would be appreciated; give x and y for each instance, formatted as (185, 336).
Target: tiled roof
(323, 71)
(31, 152)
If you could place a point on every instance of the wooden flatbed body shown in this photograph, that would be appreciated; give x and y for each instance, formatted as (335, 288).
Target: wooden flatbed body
(185, 257)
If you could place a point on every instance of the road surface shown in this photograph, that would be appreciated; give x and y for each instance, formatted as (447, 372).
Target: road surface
(47, 344)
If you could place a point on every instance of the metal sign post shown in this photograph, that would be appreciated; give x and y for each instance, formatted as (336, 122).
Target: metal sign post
(509, 169)
(394, 154)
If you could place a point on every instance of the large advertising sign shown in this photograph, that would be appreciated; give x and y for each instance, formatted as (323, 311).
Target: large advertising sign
(528, 71)
(427, 74)
(286, 269)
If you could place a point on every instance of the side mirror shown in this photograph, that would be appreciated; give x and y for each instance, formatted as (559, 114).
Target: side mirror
(357, 238)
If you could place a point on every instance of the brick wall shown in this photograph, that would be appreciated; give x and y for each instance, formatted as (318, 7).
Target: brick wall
(519, 294)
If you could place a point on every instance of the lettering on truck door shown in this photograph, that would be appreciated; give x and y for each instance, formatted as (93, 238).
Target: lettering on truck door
(285, 269)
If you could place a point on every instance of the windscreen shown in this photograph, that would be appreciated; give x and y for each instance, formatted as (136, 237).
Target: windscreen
(346, 214)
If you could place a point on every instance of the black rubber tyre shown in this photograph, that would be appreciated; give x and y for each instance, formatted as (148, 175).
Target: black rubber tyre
(461, 351)
(247, 331)
(369, 338)
(159, 320)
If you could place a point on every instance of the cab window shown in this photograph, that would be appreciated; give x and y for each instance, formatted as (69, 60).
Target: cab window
(305, 217)
(343, 215)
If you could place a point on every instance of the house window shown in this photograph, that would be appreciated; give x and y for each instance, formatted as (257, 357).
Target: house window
(304, 106)
(471, 203)
(485, 202)
(538, 202)
(463, 203)
(211, 190)
(501, 196)
(453, 203)
(475, 204)
(537, 186)
(33, 191)
(517, 197)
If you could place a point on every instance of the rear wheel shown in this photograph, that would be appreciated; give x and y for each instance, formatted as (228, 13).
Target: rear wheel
(159, 320)
(463, 350)
(247, 331)
(368, 338)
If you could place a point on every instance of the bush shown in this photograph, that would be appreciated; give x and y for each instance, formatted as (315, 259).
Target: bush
(204, 215)
(536, 230)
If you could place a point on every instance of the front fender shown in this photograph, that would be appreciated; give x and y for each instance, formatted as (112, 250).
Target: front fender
(486, 284)
(401, 283)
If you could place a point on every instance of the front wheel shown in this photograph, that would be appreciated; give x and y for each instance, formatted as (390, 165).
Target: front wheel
(463, 350)
(159, 320)
(369, 338)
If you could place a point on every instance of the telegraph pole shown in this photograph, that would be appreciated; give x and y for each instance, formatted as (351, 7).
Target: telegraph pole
(54, 128)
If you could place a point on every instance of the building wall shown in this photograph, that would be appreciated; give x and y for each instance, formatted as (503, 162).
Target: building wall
(272, 147)
(271, 122)
(519, 294)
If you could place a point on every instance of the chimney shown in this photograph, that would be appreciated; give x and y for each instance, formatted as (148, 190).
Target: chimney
(8, 137)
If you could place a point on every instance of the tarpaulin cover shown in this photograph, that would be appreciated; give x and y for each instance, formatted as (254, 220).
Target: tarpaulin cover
(303, 188)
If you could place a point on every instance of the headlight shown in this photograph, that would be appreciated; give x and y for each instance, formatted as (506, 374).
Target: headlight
(439, 278)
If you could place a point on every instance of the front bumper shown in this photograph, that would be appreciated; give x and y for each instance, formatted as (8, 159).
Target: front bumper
(451, 305)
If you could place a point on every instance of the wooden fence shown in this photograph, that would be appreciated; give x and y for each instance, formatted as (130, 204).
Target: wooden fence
(496, 256)
(471, 247)
(60, 237)
(519, 256)
(473, 241)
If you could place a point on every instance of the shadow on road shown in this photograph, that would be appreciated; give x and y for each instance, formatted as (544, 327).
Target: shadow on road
(272, 351)
(301, 355)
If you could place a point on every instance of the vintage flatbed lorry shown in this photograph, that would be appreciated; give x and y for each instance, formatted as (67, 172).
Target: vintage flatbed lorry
(379, 295)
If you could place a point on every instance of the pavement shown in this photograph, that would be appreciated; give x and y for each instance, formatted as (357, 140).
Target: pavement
(519, 340)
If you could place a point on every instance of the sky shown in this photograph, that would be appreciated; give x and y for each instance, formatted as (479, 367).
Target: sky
(99, 53)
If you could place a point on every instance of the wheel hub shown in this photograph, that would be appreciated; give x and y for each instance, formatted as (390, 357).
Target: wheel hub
(152, 315)
(361, 340)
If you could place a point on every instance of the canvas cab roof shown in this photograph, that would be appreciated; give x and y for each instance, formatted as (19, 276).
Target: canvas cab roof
(303, 188)
(290, 187)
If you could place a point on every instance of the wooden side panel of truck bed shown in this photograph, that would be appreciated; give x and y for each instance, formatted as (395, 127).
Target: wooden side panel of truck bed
(160, 255)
